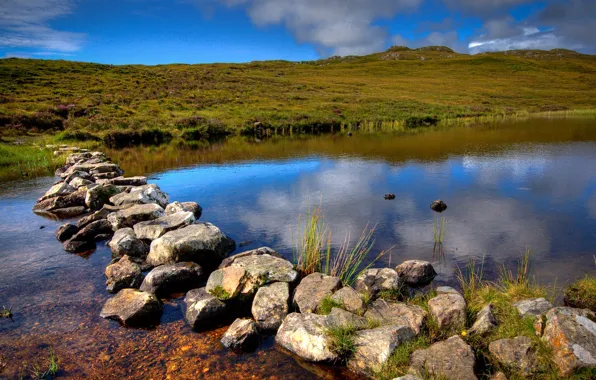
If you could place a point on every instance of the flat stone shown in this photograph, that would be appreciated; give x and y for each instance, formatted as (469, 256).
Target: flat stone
(451, 359)
(79, 182)
(146, 194)
(313, 289)
(485, 321)
(74, 199)
(343, 318)
(78, 174)
(533, 307)
(446, 290)
(202, 309)
(306, 336)
(99, 214)
(202, 243)
(172, 278)
(515, 353)
(100, 195)
(109, 175)
(350, 300)
(193, 207)
(90, 231)
(133, 307)
(373, 281)
(228, 261)
(449, 310)
(154, 229)
(123, 274)
(271, 305)
(128, 181)
(375, 346)
(416, 272)
(390, 313)
(241, 335)
(571, 333)
(125, 242)
(135, 214)
(79, 246)
(69, 212)
(65, 232)
(59, 189)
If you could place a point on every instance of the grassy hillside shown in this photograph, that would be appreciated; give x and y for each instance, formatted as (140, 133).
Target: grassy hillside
(193, 101)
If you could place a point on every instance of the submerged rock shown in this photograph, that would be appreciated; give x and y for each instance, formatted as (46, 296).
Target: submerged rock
(65, 232)
(271, 305)
(451, 359)
(533, 307)
(449, 310)
(123, 274)
(203, 309)
(389, 313)
(69, 212)
(416, 272)
(79, 246)
(135, 214)
(193, 207)
(134, 308)
(154, 229)
(313, 289)
(438, 206)
(350, 300)
(306, 336)
(174, 278)
(373, 281)
(515, 353)
(125, 242)
(241, 335)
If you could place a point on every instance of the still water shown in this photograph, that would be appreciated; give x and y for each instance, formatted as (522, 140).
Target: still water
(507, 186)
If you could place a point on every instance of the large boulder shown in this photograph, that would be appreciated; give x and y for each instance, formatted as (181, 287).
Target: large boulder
(100, 195)
(173, 278)
(125, 242)
(270, 305)
(193, 207)
(532, 307)
(306, 336)
(375, 346)
(203, 309)
(515, 353)
(202, 243)
(416, 272)
(571, 334)
(123, 274)
(135, 214)
(313, 289)
(373, 281)
(153, 229)
(59, 189)
(350, 300)
(146, 194)
(340, 318)
(389, 313)
(241, 335)
(74, 199)
(133, 307)
(449, 310)
(92, 230)
(66, 231)
(485, 321)
(79, 182)
(228, 261)
(451, 359)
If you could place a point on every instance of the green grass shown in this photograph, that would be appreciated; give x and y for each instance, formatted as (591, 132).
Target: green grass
(341, 341)
(327, 304)
(24, 160)
(51, 372)
(582, 293)
(399, 361)
(439, 230)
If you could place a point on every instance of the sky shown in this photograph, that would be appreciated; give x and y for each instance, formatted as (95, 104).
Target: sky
(203, 31)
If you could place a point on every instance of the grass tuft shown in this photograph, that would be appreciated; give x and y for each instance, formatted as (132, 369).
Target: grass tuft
(342, 341)
(220, 293)
(582, 293)
(327, 304)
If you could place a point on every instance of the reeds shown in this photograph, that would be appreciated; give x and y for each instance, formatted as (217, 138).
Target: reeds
(439, 230)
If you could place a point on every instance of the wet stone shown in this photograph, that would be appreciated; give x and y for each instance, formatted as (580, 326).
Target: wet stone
(241, 335)
(174, 278)
(133, 308)
(79, 246)
(270, 305)
(123, 274)
(202, 309)
(65, 232)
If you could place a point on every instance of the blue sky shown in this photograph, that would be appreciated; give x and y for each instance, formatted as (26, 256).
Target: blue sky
(201, 31)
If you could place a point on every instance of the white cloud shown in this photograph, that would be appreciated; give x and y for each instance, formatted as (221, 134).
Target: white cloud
(24, 24)
(540, 40)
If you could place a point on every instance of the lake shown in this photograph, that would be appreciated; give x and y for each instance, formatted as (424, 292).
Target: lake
(508, 186)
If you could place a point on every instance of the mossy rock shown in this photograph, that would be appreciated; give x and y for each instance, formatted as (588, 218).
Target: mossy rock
(582, 294)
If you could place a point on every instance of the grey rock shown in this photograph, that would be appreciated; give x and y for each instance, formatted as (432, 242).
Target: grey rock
(74, 199)
(79, 182)
(271, 305)
(241, 335)
(306, 336)
(350, 300)
(343, 318)
(202, 309)
(173, 278)
(373, 281)
(69, 212)
(154, 229)
(65, 232)
(90, 231)
(416, 272)
(59, 189)
(228, 261)
(78, 174)
(146, 194)
(451, 359)
(449, 310)
(515, 353)
(100, 195)
(202, 243)
(313, 289)
(375, 346)
(128, 181)
(123, 274)
(485, 321)
(390, 313)
(135, 214)
(133, 307)
(438, 206)
(193, 207)
(124, 242)
(533, 307)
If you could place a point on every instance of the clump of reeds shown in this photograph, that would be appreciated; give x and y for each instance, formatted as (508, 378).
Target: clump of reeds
(439, 229)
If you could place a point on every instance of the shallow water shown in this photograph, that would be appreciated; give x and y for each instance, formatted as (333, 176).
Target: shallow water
(507, 187)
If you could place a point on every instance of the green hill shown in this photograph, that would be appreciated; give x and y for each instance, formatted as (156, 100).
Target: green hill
(391, 87)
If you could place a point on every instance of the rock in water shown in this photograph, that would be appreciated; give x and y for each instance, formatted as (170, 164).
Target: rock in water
(100, 195)
(313, 289)
(128, 181)
(154, 229)
(350, 300)
(59, 189)
(90, 231)
(242, 335)
(375, 346)
(438, 206)
(174, 278)
(373, 281)
(135, 214)
(123, 274)
(485, 321)
(65, 232)
(416, 272)
(79, 246)
(389, 313)
(203, 309)
(202, 243)
(306, 336)
(271, 305)
(450, 359)
(389, 196)
(133, 308)
(571, 333)
(515, 353)
(533, 307)
(125, 242)
(193, 207)
(146, 194)
(449, 310)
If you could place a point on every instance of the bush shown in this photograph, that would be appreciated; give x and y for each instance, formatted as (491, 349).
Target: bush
(40, 121)
(424, 121)
(121, 139)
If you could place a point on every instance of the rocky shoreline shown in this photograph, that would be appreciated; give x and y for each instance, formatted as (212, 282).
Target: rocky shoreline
(160, 248)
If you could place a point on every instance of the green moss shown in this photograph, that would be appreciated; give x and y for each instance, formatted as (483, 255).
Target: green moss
(220, 293)
(582, 293)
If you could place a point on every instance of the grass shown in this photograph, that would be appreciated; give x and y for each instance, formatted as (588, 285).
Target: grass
(51, 372)
(439, 229)
(582, 293)
(327, 304)
(399, 361)
(25, 160)
(341, 341)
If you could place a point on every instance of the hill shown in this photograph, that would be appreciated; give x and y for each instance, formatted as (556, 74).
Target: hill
(399, 84)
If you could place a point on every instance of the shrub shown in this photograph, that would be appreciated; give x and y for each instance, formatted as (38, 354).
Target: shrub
(582, 294)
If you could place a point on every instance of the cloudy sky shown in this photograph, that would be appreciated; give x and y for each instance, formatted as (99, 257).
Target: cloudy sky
(197, 31)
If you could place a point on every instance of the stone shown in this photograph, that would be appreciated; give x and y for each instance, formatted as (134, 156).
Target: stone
(241, 335)
(446, 290)
(74, 199)
(59, 189)
(124, 242)
(498, 376)
(416, 272)
(91, 230)
(343, 318)
(313, 289)
(172, 278)
(80, 182)
(202, 243)
(438, 206)
(97, 215)
(78, 174)
(485, 321)
(66, 231)
(79, 246)
(69, 212)
(271, 305)
(128, 181)
(375, 346)
(193, 207)
(228, 283)
(373, 281)
(132, 307)
(133, 215)
(228, 261)
(107, 175)
(146, 194)
(350, 300)
(94, 168)
(202, 309)
(154, 229)
(533, 307)
(389, 313)
(515, 353)
(408, 377)
(100, 195)
(123, 274)
(449, 310)
(451, 359)
(306, 336)
(571, 333)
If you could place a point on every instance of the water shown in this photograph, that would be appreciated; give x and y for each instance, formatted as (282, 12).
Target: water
(507, 187)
